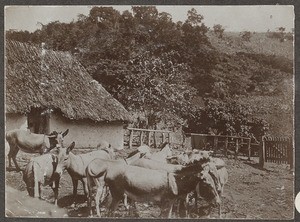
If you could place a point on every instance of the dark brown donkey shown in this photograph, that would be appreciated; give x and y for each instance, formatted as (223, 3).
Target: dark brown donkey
(31, 143)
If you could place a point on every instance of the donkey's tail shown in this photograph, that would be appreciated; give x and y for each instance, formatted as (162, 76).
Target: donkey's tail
(35, 179)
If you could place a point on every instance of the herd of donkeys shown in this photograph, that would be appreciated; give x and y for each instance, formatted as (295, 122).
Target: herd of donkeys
(160, 177)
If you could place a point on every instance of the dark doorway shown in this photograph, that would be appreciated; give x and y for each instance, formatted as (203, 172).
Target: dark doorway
(38, 121)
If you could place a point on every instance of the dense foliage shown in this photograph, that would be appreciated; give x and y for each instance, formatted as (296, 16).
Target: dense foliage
(168, 73)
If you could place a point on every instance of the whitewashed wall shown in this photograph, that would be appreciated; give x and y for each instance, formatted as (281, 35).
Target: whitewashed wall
(88, 133)
(15, 121)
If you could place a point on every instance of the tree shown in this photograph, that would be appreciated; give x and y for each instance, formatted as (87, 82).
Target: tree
(246, 35)
(281, 31)
(219, 30)
(156, 86)
(194, 19)
(227, 117)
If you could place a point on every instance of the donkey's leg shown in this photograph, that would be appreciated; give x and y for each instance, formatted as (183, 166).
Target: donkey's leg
(166, 209)
(90, 198)
(100, 194)
(85, 186)
(114, 204)
(12, 155)
(126, 202)
(117, 194)
(75, 185)
(182, 208)
(9, 155)
(40, 190)
(55, 190)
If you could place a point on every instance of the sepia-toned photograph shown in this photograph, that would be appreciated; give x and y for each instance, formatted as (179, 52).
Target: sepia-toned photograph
(149, 111)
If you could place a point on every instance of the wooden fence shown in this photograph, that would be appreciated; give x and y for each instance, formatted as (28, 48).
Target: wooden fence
(277, 150)
(137, 137)
(222, 144)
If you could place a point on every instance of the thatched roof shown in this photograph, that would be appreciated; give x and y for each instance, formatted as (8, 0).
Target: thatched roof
(36, 77)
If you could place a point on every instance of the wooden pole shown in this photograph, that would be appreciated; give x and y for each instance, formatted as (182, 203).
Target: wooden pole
(215, 143)
(249, 149)
(163, 138)
(236, 149)
(169, 137)
(262, 153)
(130, 138)
(141, 137)
(226, 146)
(149, 138)
(154, 140)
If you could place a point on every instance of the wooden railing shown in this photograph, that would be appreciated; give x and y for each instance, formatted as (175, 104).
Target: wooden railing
(150, 137)
(215, 142)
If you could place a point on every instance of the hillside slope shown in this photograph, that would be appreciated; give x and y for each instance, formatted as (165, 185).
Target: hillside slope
(259, 43)
(269, 86)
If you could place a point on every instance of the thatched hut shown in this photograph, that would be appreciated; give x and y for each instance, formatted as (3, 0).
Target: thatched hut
(49, 90)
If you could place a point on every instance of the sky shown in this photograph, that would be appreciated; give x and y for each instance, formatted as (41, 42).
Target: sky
(233, 18)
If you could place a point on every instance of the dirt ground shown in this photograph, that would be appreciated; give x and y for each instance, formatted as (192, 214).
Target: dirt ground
(250, 193)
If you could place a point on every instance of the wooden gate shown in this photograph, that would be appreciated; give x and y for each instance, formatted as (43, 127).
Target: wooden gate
(277, 150)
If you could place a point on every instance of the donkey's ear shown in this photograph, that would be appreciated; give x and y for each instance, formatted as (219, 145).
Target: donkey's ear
(172, 183)
(54, 158)
(65, 133)
(71, 147)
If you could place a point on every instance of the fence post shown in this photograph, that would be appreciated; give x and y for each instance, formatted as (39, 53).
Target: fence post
(226, 146)
(215, 143)
(262, 152)
(154, 140)
(130, 138)
(249, 149)
(141, 137)
(236, 148)
(149, 138)
(163, 138)
(169, 138)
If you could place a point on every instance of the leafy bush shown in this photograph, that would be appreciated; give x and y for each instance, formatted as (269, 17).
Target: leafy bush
(227, 118)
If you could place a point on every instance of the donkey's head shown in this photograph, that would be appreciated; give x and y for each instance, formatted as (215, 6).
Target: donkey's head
(63, 158)
(206, 188)
(57, 139)
(104, 145)
(144, 150)
(166, 149)
(197, 155)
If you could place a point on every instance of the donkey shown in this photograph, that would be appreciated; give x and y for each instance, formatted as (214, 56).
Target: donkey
(161, 157)
(215, 168)
(142, 151)
(31, 143)
(222, 173)
(76, 164)
(41, 171)
(156, 165)
(161, 187)
(164, 153)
